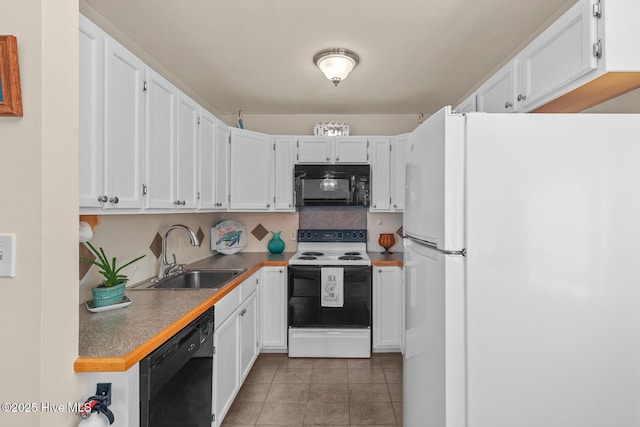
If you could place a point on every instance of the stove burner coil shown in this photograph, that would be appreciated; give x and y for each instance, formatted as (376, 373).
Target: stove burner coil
(307, 257)
(350, 258)
(352, 253)
(314, 254)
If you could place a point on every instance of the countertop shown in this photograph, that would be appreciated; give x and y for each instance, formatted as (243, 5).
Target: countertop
(118, 339)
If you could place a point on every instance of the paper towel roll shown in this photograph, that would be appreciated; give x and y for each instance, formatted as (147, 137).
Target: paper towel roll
(85, 232)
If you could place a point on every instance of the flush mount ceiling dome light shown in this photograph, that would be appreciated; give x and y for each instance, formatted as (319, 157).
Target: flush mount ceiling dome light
(336, 63)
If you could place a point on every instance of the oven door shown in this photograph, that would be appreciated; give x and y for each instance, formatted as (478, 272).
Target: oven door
(304, 299)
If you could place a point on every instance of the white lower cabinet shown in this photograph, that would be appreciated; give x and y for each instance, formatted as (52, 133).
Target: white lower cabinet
(236, 344)
(249, 345)
(387, 308)
(273, 308)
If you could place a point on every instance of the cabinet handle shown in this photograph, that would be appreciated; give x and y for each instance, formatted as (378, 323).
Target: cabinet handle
(114, 200)
(522, 97)
(508, 105)
(243, 312)
(176, 202)
(103, 198)
(268, 205)
(395, 206)
(184, 202)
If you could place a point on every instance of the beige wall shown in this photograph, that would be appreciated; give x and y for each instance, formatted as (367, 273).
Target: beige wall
(38, 169)
(302, 124)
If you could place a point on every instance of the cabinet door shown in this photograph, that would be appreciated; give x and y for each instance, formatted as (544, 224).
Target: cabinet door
(221, 166)
(398, 168)
(207, 149)
(251, 170)
(350, 149)
(124, 131)
(248, 334)
(468, 105)
(284, 159)
(314, 149)
(273, 308)
(387, 306)
(161, 141)
(380, 175)
(497, 95)
(561, 54)
(187, 153)
(226, 365)
(91, 90)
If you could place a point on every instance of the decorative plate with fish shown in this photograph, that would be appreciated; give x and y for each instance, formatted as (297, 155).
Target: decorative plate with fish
(228, 237)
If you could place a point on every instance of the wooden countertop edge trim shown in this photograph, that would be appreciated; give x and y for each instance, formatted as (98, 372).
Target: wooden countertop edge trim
(121, 364)
(387, 264)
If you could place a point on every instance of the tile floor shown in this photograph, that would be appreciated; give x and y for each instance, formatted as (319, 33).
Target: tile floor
(280, 391)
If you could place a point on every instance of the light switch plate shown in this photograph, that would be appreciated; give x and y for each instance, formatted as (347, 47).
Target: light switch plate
(7, 255)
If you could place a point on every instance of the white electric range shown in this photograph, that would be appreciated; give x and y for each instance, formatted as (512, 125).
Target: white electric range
(329, 295)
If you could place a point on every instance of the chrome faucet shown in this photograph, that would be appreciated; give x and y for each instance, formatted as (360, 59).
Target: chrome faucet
(165, 266)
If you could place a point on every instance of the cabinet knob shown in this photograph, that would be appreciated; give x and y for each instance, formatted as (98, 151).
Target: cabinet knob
(328, 158)
(337, 159)
(184, 202)
(522, 97)
(268, 205)
(508, 105)
(103, 198)
(243, 312)
(176, 202)
(114, 200)
(395, 206)
(379, 270)
(281, 271)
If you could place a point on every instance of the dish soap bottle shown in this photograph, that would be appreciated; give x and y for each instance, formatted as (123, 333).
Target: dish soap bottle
(276, 244)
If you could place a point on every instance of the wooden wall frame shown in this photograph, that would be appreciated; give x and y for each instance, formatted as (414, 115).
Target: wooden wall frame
(10, 94)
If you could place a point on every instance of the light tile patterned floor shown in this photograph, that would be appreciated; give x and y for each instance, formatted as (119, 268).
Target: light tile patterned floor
(280, 391)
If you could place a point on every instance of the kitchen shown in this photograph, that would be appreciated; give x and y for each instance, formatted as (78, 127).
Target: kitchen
(48, 221)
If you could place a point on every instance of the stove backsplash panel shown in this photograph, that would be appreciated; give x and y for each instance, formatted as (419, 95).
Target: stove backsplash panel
(328, 217)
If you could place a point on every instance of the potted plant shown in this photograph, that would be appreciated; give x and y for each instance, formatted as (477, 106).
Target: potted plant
(111, 291)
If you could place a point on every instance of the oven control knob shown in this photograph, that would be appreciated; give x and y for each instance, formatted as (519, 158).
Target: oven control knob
(354, 234)
(361, 235)
(339, 235)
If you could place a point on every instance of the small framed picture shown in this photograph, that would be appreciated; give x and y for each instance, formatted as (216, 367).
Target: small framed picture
(10, 94)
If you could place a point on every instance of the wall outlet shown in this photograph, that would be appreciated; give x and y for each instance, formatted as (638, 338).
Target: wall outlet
(293, 234)
(7, 255)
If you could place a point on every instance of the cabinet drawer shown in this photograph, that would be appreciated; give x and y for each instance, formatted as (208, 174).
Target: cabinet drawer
(248, 286)
(227, 305)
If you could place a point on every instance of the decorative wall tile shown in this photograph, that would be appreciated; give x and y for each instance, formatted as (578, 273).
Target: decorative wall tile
(259, 232)
(200, 235)
(156, 246)
(85, 266)
(340, 218)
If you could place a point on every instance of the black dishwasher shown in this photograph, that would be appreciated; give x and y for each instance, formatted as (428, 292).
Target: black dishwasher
(176, 379)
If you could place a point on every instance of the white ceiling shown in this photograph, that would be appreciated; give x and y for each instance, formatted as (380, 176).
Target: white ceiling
(415, 55)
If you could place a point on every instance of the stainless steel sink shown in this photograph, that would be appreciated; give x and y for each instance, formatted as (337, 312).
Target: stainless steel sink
(193, 279)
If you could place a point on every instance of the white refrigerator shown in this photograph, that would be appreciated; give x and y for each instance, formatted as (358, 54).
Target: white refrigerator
(522, 271)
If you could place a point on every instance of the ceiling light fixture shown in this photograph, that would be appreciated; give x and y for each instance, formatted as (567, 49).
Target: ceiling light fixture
(336, 63)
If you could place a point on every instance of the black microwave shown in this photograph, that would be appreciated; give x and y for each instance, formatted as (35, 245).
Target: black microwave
(332, 185)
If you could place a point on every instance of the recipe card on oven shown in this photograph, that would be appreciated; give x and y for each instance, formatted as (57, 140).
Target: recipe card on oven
(332, 287)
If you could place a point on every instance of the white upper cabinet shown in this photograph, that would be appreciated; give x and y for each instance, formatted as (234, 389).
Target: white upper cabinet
(284, 161)
(124, 128)
(207, 159)
(314, 149)
(221, 166)
(468, 105)
(187, 153)
(91, 90)
(498, 94)
(398, 167)
(388, 174)
(326, 149)
(251, 170)
(111, 101)
(380, 175)
(560, 55)
(161, 141)
(351, 149)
